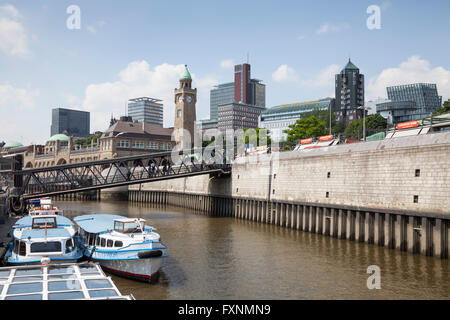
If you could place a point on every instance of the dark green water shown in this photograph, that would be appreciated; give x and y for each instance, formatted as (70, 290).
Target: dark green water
(226, 258)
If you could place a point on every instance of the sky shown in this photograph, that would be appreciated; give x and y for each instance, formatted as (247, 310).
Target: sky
(128, 49)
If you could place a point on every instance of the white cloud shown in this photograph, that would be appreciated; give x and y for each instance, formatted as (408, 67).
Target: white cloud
(13, 36)
(284, 73)
(94, 28)
(138, 79)
(91, 29)
(330, 27)
(15, 102)
(227, 64)
(414, 70)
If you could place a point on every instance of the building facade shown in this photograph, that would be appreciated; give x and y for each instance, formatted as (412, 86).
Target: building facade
(349, 90)
(235, 116)
(221, 94)
(424, 96)
(123, 138)
(146, 109)
(397, 111)
(278, 119)
(71, 122)
(244, 91)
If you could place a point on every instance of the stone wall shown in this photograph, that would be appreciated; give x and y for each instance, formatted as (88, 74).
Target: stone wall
(378, 175)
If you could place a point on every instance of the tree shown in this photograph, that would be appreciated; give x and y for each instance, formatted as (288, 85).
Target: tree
(252, 137)
(86, 142)
(374, 123)
(306, 128)
(445, 108)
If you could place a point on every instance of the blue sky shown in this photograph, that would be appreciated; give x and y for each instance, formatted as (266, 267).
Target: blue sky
(128, 48)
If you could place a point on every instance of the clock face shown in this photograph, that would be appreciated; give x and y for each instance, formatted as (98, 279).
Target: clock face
(180, 98)
(189, 99)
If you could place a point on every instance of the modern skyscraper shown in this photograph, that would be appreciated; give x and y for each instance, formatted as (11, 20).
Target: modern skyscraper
(242, 99)
(71, 122)
(349, 93)
(146, 109)
(221, 94)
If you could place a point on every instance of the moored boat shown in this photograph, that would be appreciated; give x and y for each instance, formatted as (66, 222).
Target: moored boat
(121, 245)
(43, 239)
(43, 206)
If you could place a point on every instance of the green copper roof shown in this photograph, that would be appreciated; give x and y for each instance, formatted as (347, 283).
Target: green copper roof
(186, 74)
(351, 66)
(60, 137)
(12, 144)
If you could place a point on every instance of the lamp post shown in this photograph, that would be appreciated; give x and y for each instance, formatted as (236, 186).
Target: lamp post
(364, 108)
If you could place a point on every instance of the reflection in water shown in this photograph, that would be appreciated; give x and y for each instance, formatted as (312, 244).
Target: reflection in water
(226, 258)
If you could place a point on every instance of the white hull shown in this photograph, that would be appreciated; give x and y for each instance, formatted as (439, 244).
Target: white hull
(139, 269)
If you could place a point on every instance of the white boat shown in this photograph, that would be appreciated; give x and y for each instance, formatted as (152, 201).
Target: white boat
(43, 239)
(121, 245)
(43, 206)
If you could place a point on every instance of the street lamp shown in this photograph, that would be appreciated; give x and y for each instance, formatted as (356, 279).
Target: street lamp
(364, 108)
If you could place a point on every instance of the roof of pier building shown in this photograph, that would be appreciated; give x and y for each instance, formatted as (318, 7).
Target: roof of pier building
(12, 144)
(138, 130)
(59, 137)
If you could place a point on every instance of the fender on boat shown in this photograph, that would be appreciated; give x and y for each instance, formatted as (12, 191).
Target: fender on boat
(150, 254)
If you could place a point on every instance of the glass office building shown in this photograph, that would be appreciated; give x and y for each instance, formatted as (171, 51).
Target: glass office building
(145, 109)
(424, 95)
(221, 94)
(70, 122)
(279, 118)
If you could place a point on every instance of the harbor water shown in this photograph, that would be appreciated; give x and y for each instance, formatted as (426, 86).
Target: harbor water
(227, 258)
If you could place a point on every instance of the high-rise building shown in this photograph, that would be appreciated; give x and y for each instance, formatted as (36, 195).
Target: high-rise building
(221, 94)
(146, 109)
(349, 94)
(71, 122)
(236, 96)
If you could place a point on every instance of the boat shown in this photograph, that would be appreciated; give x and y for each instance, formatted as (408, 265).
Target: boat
(121, 245)
(43, 206)
(43, 239)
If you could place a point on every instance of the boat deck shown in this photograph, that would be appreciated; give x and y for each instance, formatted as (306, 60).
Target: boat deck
(83, 281)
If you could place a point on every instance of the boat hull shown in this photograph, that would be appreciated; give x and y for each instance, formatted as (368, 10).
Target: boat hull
(146, 270)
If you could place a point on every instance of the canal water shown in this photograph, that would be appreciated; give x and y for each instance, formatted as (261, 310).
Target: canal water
(226, 258)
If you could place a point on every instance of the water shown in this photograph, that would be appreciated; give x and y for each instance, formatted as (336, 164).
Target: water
(226, 258)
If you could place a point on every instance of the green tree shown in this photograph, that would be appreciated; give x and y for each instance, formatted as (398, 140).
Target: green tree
(86, 142)
(252, 136)
(445, 108)
(374, 123)
(306, 128)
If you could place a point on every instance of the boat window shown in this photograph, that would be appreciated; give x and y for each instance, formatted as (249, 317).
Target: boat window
(103, 242)
(91, 239)
(50, 246)
(22, 248)
(69, 245)
(109, 243)
(126, 227)
(97, 241)
(16, 247)
(118, 244)
(46, 222)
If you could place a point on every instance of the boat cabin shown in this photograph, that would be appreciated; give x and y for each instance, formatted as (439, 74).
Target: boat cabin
(43, 235)
(129, 225)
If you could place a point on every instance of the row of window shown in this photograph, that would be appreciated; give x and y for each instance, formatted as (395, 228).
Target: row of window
(142, 145)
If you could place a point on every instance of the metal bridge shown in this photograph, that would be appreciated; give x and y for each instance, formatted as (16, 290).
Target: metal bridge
(78, 177)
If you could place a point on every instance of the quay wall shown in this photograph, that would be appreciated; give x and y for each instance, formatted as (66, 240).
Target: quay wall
(392, 193)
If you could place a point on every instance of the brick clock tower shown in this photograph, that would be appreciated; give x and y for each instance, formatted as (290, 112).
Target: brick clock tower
(185, 116)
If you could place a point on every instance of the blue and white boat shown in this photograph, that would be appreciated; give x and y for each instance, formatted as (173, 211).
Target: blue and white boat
(43, 239)
(121, 245)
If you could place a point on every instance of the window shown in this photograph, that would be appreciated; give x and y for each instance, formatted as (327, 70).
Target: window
(103, 242)
(416, 199)
(138, 144)
(69, 245)
(123, 144)
(50, 246)
(417, 172)
(109, 243)
(23, 248)
(178, 113)
(118, 244)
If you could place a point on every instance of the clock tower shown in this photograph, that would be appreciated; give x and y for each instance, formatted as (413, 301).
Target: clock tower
(185, 116)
